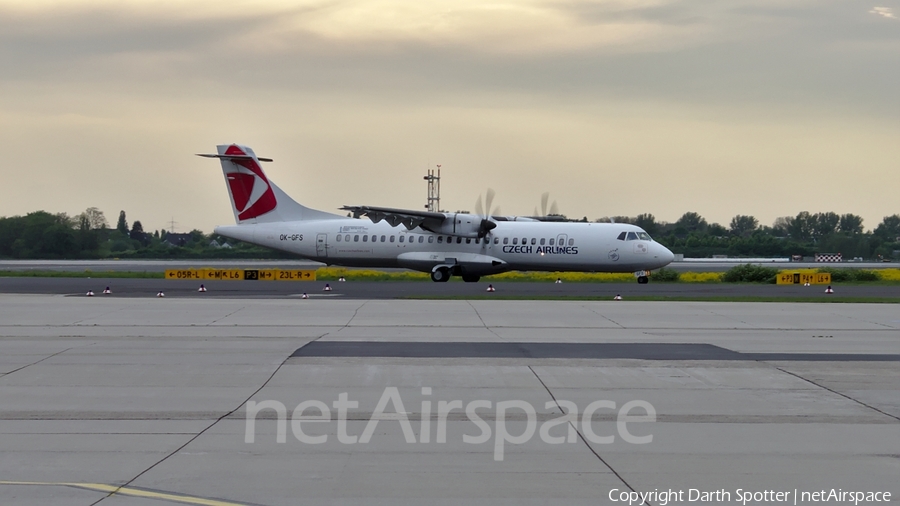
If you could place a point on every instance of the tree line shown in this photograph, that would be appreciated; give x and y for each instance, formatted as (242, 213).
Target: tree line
(43, 235)
(804, 234)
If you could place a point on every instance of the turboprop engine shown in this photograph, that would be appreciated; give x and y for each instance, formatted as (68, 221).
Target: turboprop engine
(464, 225)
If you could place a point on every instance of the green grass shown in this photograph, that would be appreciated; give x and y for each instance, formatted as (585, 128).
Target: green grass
(667, 298)
(82, 274)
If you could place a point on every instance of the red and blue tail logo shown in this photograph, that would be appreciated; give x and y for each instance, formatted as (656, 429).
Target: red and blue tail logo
(250, 189)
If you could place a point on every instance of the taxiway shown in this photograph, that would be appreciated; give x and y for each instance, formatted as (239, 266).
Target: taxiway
(125, 401)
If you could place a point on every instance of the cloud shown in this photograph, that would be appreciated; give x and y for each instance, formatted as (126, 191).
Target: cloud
(524, 27)
(885, 12)
(521, 27)
(579, 95)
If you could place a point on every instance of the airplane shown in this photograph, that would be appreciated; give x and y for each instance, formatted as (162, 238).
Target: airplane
(442, 244)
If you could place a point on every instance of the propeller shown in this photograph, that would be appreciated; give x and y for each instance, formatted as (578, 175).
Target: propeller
(545, 198)
(484, 210)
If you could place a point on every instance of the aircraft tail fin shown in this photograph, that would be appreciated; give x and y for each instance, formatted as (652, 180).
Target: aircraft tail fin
(255, 198)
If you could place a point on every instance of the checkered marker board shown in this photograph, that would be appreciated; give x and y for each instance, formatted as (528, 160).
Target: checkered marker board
(828, 257)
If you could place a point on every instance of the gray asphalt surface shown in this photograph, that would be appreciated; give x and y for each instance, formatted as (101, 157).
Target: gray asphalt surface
(162, 265)
(161, 400)
(392, 290)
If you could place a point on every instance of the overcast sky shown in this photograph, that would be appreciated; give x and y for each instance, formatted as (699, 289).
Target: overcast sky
(615, 107)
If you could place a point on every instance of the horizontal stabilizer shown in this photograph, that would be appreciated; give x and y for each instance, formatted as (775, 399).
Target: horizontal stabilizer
(234, 157)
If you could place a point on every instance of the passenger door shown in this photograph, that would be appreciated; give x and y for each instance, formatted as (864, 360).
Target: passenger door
(322, 245)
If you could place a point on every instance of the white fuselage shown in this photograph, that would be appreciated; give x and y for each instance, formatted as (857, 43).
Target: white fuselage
(512, 245)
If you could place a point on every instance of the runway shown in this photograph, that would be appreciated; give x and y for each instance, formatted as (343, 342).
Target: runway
(126, 401)
(689, 265)
(148, 288)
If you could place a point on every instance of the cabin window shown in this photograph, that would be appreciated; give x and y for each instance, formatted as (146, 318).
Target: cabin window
(552, 241)
(459, 240)
(506, 240)
(374, 238)
(468, 241)
(440, 239)
(571, 242)
(365, 238)
(533, 241)
(621, 237)
(347, 238)
(355, 238)
(338, 238)
(524, 241)
(543, 241)
(515, 240)
(477, 240)
(402, 238)
(383, 238)
(430, 238)
(392, 238)
(496, 240)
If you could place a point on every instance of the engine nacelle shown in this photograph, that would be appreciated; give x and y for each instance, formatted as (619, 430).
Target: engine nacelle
(463, 225)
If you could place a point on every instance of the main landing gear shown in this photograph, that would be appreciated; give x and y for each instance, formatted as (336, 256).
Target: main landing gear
(440, 275)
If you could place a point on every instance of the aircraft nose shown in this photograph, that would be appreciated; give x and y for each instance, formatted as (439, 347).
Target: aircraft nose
(664, 255)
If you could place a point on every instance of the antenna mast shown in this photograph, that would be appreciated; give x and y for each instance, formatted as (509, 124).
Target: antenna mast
(434, 190)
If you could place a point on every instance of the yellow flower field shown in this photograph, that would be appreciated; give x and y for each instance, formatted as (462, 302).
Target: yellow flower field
(332, 273)
(574, 277)
(700, 277)
(888, 274)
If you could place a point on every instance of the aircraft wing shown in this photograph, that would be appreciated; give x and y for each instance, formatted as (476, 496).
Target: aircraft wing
(408, 218)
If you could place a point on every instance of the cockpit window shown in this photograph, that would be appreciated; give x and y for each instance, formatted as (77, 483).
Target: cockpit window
(621, 237)
(644, 236)
(631, 236)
